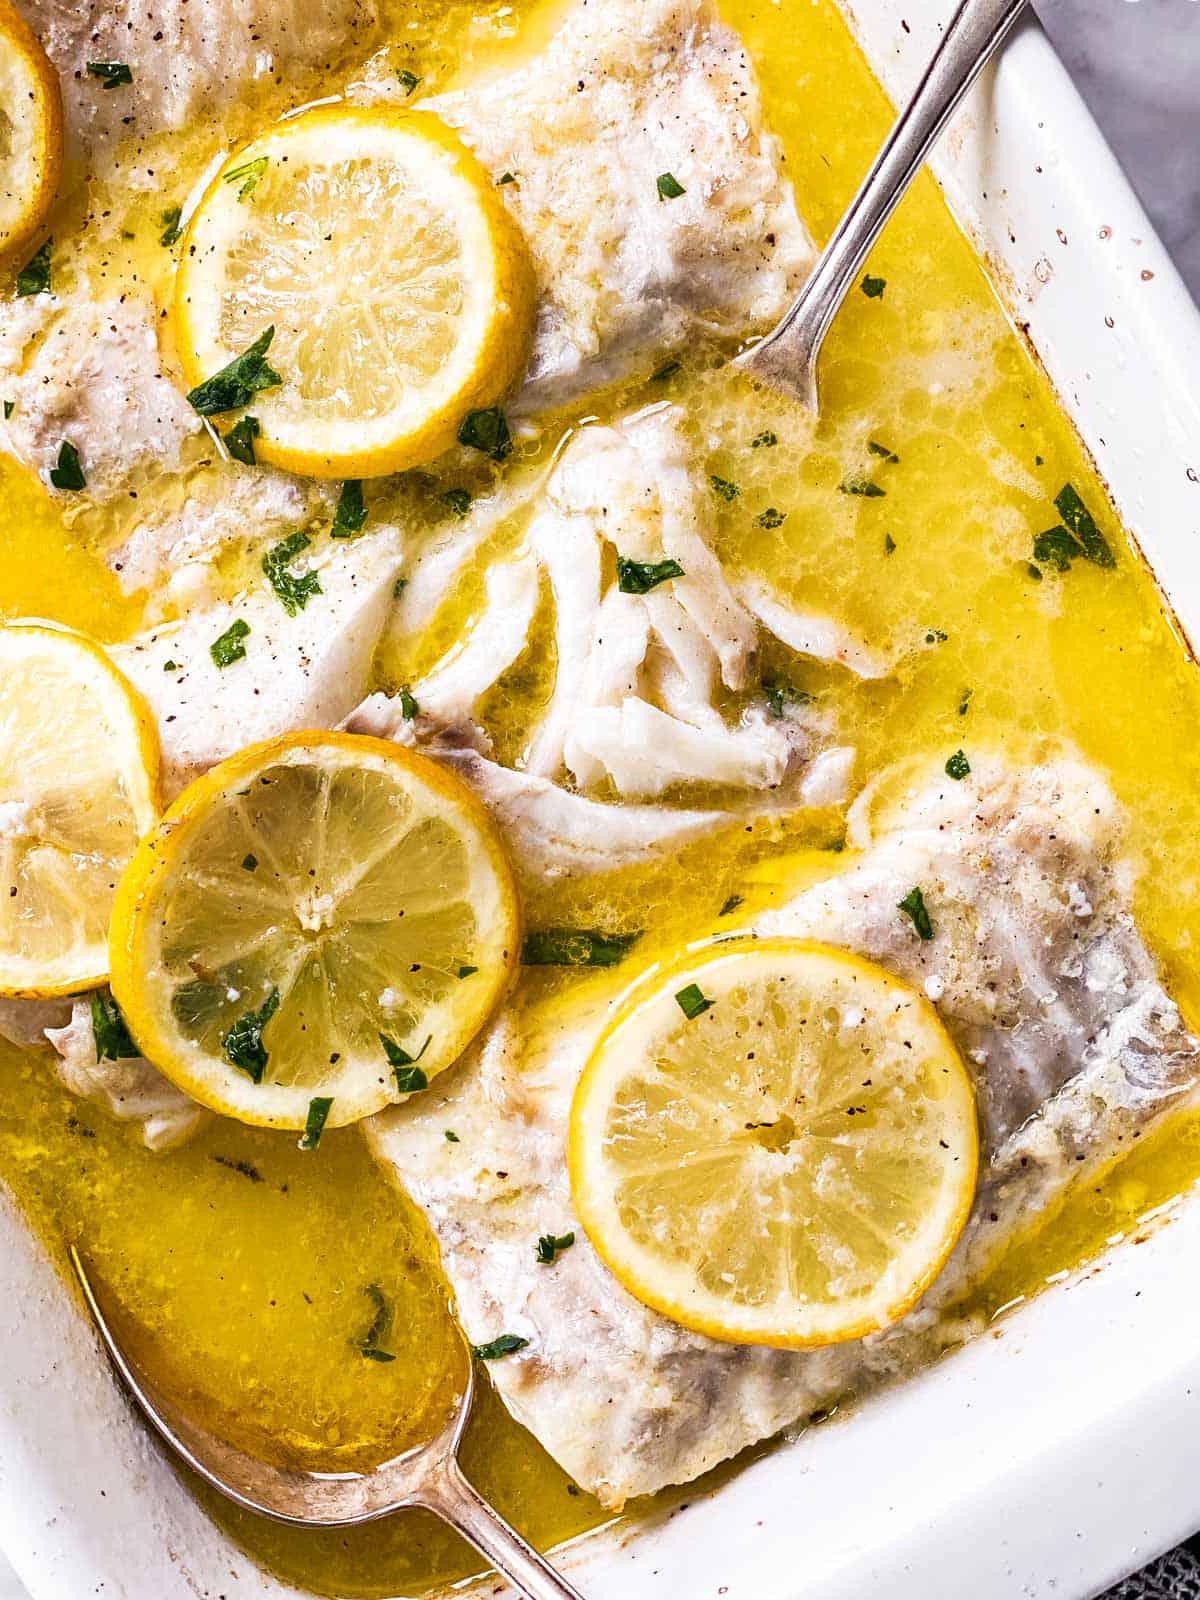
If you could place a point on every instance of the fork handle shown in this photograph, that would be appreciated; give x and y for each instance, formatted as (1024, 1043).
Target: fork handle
(451, 1497)
(789, 352)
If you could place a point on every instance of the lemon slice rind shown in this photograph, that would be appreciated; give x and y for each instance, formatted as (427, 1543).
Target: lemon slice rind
(31, 104)
(176, 889)
(707, 1213)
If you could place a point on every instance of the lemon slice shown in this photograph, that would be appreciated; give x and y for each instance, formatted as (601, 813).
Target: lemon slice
(399, 290)
(321, 917)
(78, 788)
(31, 132)
(775, 1143)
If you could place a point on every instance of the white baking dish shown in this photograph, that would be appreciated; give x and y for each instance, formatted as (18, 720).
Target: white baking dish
(1044, 1460)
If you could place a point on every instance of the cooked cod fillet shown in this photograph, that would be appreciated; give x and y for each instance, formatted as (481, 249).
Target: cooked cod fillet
(1040, 975)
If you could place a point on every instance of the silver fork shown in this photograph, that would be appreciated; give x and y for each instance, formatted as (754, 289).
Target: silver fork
(786, 358)
(427, 1476)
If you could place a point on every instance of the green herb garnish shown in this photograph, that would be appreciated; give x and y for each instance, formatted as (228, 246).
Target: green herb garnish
(450, 1136)
(778, 691)
(505, 178)
(692, 1001)
(407, 80)
(170, 666)
(109, 1030)
(734, 901)
(771, 518)
(294, 590)
(576, 947)
(667, 370)
(639, 577)
(68, 474)
(506, 1345)
(964, 701)
(459, 501)
(669, 186)
(958, 766)
(243, 1044)
(467, 972)
(873, 287)
(408, 706)
(236, 384)
(550, 1244)
(723, 487)
(230, 647)
(34, 276)
(1079, 520)
(857, 483)
(112, 74)
(1056, 548)
(913, 905)
(249, 175)
(409, 1077)
(314, 1123)
(889, 545)
(882, 450)
(9, 407)
(381, 1326)
(487, 431)
(172, 221)
(350, 513)
(250, 863)
(765, 440)
(239, 441)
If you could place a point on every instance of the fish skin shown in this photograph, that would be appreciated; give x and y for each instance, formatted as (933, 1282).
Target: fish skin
(1081, 1051)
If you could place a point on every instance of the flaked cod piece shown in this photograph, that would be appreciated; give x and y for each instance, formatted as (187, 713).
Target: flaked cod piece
(1040, 975)
(624, 92)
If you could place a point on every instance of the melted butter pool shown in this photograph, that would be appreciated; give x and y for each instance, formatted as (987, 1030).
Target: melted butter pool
(254, 1271)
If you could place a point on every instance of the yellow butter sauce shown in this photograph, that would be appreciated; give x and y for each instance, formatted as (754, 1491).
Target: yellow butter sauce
(254, 1272)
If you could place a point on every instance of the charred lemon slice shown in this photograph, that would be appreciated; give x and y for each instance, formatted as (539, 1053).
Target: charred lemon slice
(364, 258)
(775, 1143)
(31, 132)
(78, 788)
(322, 918)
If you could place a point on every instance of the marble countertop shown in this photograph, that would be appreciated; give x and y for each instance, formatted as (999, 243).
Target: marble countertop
(1138, 65)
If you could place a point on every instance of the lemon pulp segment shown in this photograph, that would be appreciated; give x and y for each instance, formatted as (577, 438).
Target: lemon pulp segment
(31, 132)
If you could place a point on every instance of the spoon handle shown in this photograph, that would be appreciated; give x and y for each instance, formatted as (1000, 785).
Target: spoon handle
(449, 1496)
(787, 357)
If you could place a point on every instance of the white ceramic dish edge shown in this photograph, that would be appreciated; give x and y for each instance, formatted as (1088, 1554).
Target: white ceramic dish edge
(1040, 1462)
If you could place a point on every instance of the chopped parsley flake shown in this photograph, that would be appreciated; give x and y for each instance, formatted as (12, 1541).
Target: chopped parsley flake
(109, 1030)
(873, 287)
(407, 80)
(467, 972)
(913, 906)
(882, 450)
(487, 431)
(723, 487)
(550, 1244)
(236, 384)
(34, 276)
(857, 483)
(639, 577)
(350, 513)
(68, 474)
(964, 702)
(450, 1136)
(765, 440)
(1056, 548)
(692, 1001)
(1033, 572)
(399, 587)
(889, 545)
(112, 74)
(239, 441)
(459, 501)
(294, 590)
(669, 186)
(230, 647)
(243, 1044)
(381, 1325)
(771, 518)
(734, 901)
(667, 370)
(506, 1345)
(172, 225)
(576, 947)
(170, 666)
(410, 1079)
(249, 175)
(958, 766)
(408, 706)
(936, 636)
(250, 863)
(504, 179)
(9, 407)
(778, 691)
(1079, 520)
(314, 1123)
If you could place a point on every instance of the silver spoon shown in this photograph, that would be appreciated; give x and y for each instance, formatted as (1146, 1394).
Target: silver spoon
(786, 358)
(427, 1476)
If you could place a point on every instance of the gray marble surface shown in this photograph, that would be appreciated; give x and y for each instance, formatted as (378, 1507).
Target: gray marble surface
(1138, 65)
